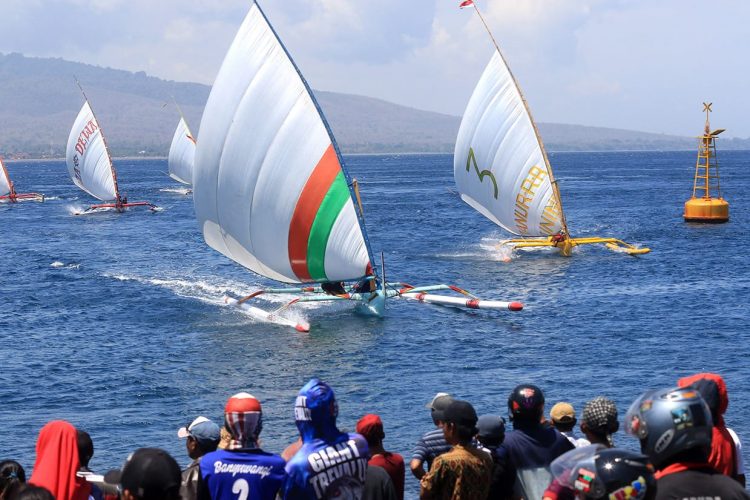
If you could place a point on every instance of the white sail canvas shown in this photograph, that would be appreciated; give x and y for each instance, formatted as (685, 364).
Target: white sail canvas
(87, 157)
(182, 154)
(4, 180)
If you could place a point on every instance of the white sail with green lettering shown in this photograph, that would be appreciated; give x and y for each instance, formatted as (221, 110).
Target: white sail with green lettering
(499, 165)
(182, 154)
(269, 189)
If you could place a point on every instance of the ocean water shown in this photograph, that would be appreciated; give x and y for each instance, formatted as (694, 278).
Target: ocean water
(115, 322)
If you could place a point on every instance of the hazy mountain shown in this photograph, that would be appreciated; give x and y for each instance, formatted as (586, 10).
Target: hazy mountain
(39, 101)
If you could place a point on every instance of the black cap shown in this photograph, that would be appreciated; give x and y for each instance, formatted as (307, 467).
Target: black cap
(148, 473)
(461, 413)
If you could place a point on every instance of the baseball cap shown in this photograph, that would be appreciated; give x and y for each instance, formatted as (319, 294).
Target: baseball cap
(562, 413)
(491, 427)
(461, 413)
(202, 429)
(148, 473)
(371, 427)
(438, 404)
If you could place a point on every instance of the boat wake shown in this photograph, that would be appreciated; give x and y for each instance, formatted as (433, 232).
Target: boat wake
(182, 191)
(61, 265)
(487, 250)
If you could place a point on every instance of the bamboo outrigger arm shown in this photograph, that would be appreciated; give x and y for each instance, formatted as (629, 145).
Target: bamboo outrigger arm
(566, 244)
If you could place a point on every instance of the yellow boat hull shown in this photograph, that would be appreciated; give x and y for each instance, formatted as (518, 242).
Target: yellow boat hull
(566, 245)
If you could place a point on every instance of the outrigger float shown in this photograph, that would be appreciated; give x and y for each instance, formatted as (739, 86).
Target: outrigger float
(502, 170)
(90, 164)
(271, 192)
(8, 191)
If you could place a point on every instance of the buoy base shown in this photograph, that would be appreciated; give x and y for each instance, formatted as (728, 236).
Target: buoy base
(711, 210)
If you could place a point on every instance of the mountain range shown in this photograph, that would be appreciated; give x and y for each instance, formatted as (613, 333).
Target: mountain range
(39, 100)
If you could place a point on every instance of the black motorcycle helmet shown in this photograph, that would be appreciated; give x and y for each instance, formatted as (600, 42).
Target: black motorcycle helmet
(595, 473)
(526, 403)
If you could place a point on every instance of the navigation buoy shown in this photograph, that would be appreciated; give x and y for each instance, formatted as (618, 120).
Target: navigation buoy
(702, 207)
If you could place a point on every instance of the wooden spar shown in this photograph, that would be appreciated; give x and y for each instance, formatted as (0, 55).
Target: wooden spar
(548, 166)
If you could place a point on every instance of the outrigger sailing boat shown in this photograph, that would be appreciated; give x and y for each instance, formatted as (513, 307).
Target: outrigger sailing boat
(271, 193)
(8, 192)
(502, 170)
(90, 164)
(182, 154)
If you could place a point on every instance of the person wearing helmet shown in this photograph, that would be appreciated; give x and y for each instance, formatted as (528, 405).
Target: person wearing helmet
(330, 463)
(674, 428)
(532, 445)
(724, 457)
(242, 467)
(595, 472)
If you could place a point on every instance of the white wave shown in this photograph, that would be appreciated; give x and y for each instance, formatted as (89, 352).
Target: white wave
(50, 198)
(59, 265)
(183, 191)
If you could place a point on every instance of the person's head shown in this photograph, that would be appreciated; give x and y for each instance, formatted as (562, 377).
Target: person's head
(713, 390)
(201, 437)
(671, 424)
(460, 422)
(11, 473)
(437, 406)
(85, 447)
(491, 430)
(29, 492)
(243, 419)
(371, 428)
(598, 473)
(526, 405)
(563, 416)
(599, 421)
(148, 474)
(315, 411)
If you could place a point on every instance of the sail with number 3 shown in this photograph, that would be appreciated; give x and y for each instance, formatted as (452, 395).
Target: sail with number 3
(270, 191)
(501, 168)
(182, 154)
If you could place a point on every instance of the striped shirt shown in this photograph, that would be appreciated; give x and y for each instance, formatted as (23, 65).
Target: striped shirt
(430, 446)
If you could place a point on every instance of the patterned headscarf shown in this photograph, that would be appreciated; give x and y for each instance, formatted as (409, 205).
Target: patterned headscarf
(600, 416)
(243, 419)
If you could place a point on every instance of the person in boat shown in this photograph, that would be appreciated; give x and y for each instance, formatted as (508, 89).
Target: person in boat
(243, 466)
(674, 429)
(465, 471)
(432, 444)
(371, 428)
(335, 288)
(310, 474)
(201, 437)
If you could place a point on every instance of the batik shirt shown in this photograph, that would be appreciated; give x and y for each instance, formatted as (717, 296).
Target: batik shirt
(463, 473)
(241, 474)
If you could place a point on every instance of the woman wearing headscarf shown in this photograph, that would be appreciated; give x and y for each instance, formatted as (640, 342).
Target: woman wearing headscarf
(57, 462)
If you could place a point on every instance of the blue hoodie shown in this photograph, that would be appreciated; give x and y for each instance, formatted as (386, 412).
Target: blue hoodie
(330, 463)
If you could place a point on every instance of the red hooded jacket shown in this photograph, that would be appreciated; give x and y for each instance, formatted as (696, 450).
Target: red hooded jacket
(714, 391)
(57, 462)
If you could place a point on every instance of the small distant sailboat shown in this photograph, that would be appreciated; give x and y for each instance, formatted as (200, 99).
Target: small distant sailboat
(90, 164)
(501, 168)
(271, 192)
(703, 206)
(182, 154)
(8, 192)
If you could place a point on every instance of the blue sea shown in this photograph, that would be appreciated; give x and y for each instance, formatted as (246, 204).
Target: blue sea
(116, 323)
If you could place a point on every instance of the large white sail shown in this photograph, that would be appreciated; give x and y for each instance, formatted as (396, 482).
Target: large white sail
(269, 188)
(182, 154)
(499, 163)
(4, 180)
(87, 157)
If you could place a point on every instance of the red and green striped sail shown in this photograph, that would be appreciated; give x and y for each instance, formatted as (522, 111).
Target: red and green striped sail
(269, 188)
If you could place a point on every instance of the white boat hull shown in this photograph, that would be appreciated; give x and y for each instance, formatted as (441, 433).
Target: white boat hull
(463, 302)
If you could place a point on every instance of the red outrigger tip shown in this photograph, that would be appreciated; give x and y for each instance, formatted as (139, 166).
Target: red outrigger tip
(515, 306)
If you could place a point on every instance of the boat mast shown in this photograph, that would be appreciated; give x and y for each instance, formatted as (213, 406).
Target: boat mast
(555, 189)
(106, 147)
(182, 117)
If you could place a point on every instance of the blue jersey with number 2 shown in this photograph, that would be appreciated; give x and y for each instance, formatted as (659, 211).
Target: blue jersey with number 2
(242, 475)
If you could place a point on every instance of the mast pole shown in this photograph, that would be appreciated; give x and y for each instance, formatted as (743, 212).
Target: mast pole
(553, 182)
(182, 117)
(106, 146)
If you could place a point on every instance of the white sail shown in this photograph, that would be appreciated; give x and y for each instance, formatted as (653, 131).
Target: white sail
(182, 154)
(269, 189)
(87, 157)
(499, 163)
(4, 180)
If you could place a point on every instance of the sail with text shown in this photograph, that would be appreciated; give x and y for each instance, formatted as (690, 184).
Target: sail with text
(182, 154)
(500, 166)
(270, 190)
(89, 163)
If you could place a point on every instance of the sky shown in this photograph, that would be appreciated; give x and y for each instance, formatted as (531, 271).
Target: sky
(633, 64)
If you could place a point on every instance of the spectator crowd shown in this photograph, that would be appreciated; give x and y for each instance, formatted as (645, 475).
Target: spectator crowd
(686, 452)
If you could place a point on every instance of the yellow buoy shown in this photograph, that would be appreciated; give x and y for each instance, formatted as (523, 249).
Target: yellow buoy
(702, 207)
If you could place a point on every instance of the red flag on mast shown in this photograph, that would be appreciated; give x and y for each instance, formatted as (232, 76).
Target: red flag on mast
(466, 3)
